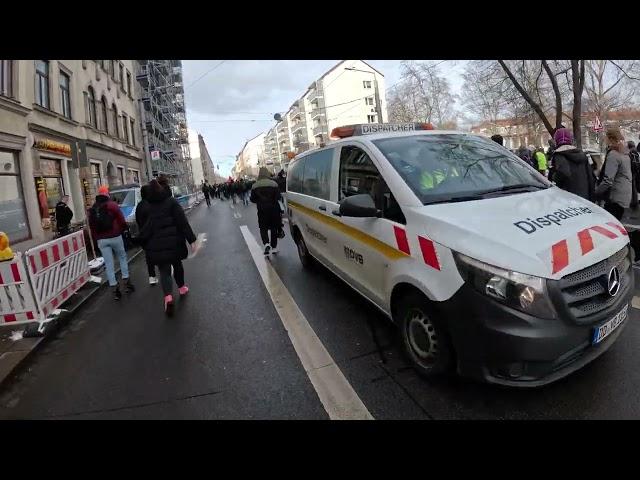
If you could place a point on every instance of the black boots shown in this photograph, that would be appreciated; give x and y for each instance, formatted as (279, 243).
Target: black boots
(117, 295)
(128, 286)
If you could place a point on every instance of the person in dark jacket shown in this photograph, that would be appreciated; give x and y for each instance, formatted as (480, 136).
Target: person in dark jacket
(634, 156)
(142, 213)
(107, 224)
(498, 139)
(571, 166)
(206, 191)
(166, 233)
(63, 216)
(266, 195)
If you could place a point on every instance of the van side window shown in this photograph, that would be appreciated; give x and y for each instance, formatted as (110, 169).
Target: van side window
(317, 174)
(295, 176)
(359, 175)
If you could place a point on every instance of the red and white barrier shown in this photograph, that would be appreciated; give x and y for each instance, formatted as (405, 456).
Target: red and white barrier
(57, 270)
(17, 304)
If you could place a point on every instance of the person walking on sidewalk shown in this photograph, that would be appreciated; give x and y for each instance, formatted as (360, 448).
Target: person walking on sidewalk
(206, 192)
(572, 171)
(63, 216)
(142, 213)
(107, 224)
(166, 232)
(614, 184)
(266, 195)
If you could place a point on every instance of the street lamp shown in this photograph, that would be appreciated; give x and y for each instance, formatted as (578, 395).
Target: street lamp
(375, 85)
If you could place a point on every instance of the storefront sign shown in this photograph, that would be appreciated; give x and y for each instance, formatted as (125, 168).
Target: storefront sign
(51, 146)
(155, 155)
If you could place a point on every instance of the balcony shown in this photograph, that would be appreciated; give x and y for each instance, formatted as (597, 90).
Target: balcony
(298, 126)
(315, 94)
(319, 129)
(317, 111)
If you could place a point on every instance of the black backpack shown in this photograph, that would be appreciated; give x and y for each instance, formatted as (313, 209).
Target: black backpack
(102, 218)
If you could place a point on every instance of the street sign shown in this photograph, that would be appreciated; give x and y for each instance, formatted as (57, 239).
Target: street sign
(155, 155)
(597, 125)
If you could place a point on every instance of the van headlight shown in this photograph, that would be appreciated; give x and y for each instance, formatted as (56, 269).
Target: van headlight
(516, 290)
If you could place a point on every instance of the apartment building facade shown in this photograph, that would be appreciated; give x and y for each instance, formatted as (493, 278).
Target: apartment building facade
(251, 157)
(351, 92)
(66, 127)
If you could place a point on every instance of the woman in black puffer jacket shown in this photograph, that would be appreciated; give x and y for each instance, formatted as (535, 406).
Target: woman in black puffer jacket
(166, 232)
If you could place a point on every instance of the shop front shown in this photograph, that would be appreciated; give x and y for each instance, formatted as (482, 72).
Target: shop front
(13, 212)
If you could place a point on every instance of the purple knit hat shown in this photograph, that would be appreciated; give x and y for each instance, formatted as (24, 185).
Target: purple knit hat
(563, 136)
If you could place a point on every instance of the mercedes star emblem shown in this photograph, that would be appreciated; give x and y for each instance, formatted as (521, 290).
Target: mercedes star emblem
(614, 282)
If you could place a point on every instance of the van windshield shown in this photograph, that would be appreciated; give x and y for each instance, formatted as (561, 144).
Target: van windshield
(124, 198)
(450, 168)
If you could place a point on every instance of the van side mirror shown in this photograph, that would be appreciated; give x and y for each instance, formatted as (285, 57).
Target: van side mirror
(361, 206)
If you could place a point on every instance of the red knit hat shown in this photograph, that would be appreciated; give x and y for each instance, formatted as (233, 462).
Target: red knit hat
(103, 190)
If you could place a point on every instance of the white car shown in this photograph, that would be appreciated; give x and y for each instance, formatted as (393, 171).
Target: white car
(484, 265)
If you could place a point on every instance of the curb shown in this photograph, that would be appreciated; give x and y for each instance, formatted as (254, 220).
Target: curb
(13, 366)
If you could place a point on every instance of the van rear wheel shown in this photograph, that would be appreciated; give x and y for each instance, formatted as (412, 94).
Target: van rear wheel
(424, 339)
(303, 252)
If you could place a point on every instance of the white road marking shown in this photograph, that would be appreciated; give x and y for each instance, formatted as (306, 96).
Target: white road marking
(337, 396)
(635, 302)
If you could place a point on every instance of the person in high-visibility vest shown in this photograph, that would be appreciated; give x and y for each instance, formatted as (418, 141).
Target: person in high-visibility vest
(541, 160)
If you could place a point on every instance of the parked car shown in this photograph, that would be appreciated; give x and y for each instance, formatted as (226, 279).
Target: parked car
(127, 197)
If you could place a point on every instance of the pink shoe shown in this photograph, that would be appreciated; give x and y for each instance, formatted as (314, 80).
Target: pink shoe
(183, 290)
(168, 305)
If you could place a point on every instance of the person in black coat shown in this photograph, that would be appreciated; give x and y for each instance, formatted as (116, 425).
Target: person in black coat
(571, 166)
(63, 216)
(142, 213)
(165, 232)
(266, 195)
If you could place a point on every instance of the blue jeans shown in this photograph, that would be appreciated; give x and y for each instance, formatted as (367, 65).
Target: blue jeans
(108, 247)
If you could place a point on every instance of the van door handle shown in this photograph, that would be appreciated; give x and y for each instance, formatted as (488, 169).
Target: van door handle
(323, 208)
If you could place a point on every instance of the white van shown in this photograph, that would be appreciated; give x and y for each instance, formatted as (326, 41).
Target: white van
(486, 267)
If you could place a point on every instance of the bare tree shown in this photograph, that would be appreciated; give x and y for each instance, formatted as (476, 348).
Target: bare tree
(422, 95)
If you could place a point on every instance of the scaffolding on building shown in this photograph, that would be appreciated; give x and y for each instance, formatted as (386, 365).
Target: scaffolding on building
(164, 120)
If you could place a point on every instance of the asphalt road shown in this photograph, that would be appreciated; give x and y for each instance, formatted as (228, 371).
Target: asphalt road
(227, 355)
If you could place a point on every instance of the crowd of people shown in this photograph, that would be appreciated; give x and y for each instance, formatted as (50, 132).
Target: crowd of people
(232, 190)
(614, 185)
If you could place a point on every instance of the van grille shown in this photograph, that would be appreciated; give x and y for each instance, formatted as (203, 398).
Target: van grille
(585, 292)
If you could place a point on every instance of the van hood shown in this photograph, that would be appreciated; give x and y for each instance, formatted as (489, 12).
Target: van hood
(548, 233)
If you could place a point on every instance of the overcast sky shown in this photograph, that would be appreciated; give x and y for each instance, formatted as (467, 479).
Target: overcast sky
(232, 101)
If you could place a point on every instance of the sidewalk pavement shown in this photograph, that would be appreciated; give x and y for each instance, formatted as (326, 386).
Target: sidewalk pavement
(15, 350)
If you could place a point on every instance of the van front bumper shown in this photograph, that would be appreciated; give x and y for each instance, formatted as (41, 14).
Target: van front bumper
(501, 345)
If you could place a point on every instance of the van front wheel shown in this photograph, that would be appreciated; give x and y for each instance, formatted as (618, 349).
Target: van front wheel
(424, 339)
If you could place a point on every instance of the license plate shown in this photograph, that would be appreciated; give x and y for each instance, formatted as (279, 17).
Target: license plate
(602, 332)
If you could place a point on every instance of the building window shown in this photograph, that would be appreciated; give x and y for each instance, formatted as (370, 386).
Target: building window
(116, 129)
(13, 213)
(91, 107)
(6, 78)
(104, 115)
(125, 127)
(366, 83)
(129, 83)
(122, 76)
(96, 176)
(133, 129)
(134, 176)
(121, 175)
(368, 101)
(65, 97)
(42, 83)
(371, 118)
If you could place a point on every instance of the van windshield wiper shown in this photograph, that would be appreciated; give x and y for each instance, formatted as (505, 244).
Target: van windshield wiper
(462, 198)
(519, 186)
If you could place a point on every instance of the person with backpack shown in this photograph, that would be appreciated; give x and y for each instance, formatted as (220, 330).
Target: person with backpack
(266, 195)
(614, 184)
(164, 235)
(107, 224)
(525, 154)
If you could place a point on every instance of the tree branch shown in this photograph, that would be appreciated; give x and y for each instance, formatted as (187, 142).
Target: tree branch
(623, 71)
(536, 107)
(556, 91)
